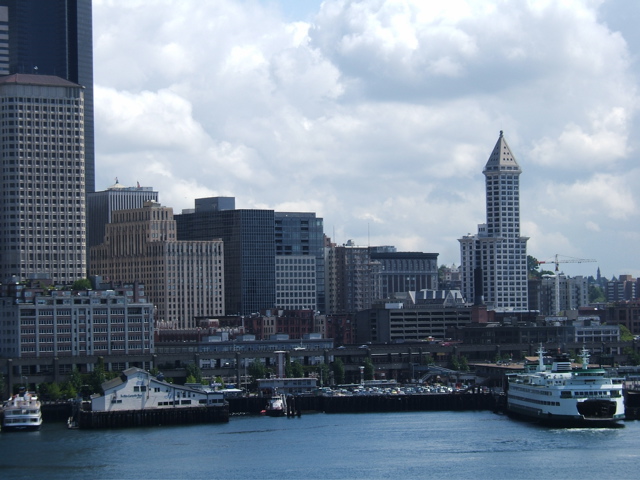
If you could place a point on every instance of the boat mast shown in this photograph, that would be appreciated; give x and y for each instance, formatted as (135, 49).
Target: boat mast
(540, 353)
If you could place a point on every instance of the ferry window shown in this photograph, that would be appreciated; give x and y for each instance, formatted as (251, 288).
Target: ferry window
(143, 388)
(136, 389)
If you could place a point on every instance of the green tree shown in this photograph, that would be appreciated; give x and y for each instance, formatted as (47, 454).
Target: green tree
(596, 294)
(633, 357)
(194, 371)
(191, 379)
(368, 369)
(75, 379)
(532, 267)
(81, 284)
(68, 390)
(427, 359)
(337, 367)
(54, 392)
(297, 370)
(324, 373)
(97, 377)
(625, 334)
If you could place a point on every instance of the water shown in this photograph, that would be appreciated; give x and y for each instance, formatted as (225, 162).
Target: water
(461, 445)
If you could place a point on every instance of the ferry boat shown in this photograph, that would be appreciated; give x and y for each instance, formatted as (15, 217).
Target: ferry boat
(566, 397)
(21, 412)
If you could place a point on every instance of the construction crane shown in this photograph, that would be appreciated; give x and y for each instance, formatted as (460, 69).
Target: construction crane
(558, 261)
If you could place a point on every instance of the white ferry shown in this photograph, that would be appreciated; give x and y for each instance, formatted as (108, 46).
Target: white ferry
(566, 397)
(21, 412)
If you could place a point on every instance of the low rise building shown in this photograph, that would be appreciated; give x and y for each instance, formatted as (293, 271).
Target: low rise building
(39, 320)
(136, 389)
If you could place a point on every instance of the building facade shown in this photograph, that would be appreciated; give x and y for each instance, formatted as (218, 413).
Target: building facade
(184, 279)
(494, 261)
(413, 320)
(43, 220)
(351, 278)
(101, 205)
(300, 271)
(404, 271)
(249, 250)
(52, 37)
(559, 293)
(40, 322)
(624, 288)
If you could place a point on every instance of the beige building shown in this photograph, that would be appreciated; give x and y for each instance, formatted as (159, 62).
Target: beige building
(184, 279)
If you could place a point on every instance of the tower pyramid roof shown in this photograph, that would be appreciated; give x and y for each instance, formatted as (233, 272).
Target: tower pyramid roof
(501, 159)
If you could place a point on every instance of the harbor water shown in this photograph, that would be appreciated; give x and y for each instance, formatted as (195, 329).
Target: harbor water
(406, 445)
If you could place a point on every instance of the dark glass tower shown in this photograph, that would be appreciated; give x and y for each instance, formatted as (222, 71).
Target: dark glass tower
(52, 37)
(249, 250)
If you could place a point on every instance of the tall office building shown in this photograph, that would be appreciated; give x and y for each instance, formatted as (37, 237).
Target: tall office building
(183, 279)
(52, 37)
(249, 250)
(101, 205)
(494, 261)
(42, 220)
(351, 277)
(299, 240)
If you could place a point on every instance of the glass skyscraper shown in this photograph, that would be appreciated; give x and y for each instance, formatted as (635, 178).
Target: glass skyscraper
(249, 250)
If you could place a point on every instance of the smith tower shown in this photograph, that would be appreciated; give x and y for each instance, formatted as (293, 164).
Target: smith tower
(494, 261)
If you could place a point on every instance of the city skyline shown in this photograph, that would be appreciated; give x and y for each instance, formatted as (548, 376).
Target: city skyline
(377, 116)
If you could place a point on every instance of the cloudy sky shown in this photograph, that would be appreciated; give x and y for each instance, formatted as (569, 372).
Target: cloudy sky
(380, 115)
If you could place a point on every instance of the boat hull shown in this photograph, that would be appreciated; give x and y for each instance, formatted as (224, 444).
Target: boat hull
(562, 421)
(21, 428)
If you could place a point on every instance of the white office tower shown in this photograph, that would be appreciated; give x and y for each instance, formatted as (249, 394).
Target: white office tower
(494, 261)
(42, 219)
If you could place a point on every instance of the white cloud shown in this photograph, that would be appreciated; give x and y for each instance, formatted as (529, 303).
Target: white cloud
(377, 115)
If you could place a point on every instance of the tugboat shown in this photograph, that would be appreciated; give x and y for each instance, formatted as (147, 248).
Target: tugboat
(566, 397)
(21, 412)
(276, 406)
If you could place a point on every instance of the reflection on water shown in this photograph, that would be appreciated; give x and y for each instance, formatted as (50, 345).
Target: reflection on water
(392, 445)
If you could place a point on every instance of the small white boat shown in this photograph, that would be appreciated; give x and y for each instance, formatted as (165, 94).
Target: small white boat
(21, 412)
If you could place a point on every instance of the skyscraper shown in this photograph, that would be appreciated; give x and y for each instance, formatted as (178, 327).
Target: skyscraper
(299, 240)
(42, 191)
(494, 261)
(249, 250)
(52, 37)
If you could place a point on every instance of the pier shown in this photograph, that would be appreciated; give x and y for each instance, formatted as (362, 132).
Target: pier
(152, 417)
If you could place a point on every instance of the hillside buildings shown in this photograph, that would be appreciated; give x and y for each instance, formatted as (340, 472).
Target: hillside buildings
(184, 279)
(494, 261)
(42, 146)
(624, 288)
(559, 293)
(52, 38)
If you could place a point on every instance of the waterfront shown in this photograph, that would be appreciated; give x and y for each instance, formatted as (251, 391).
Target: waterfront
(372, 446)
